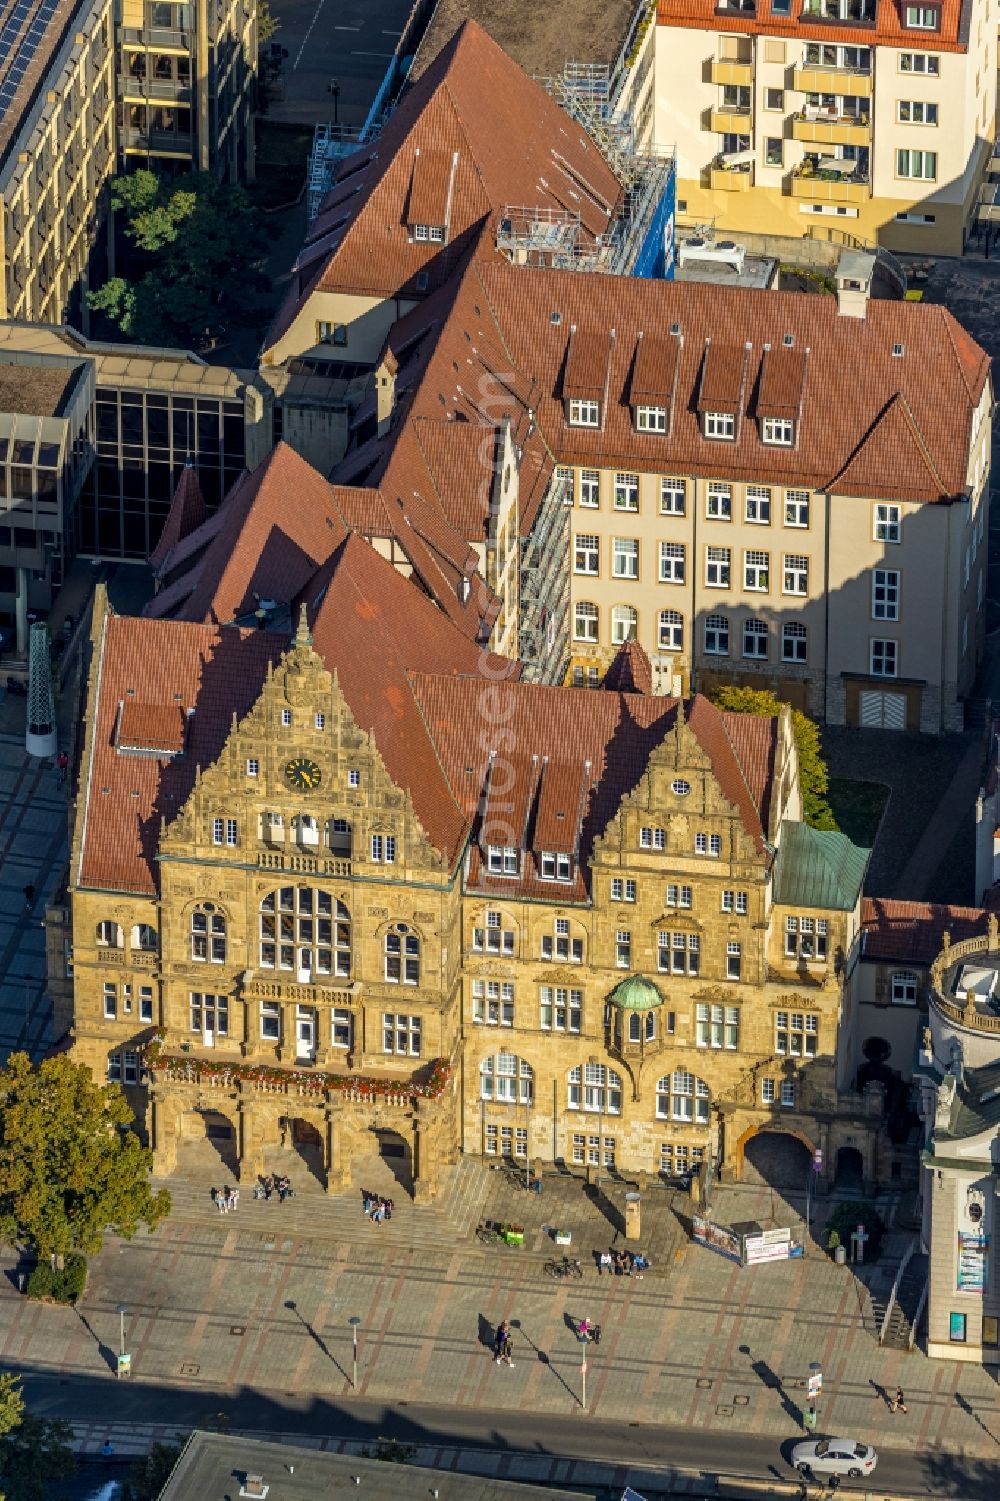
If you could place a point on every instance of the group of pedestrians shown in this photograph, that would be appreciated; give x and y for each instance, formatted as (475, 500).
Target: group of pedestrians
(377, 1209)
(622, 1263)
(225, 1199)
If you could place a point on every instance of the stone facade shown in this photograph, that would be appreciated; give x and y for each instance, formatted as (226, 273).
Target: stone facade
(313, 967)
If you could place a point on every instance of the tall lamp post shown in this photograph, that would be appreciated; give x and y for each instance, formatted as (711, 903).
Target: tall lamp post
(814, 1387)
(333, 87)
(815, 1168)
(124, 1361)
(354, 1321)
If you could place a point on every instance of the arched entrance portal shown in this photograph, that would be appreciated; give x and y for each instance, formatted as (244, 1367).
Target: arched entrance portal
(208, 1143)
(850, 1173)
(776, 1159)
(394, 1152)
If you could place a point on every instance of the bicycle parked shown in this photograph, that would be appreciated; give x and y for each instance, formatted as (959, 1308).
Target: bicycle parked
(569, 1267)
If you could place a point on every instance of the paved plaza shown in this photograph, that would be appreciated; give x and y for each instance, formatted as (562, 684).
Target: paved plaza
(260, 1301)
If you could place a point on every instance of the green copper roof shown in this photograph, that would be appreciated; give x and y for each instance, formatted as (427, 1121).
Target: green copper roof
(816, 868)
(636, 994)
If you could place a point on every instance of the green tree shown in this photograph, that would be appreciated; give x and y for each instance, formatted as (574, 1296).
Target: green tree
(149, 1475)
(197, 249)
(814, 779)
(267, 26)
(34, 1454)
(70, 1168)
(11, 1403)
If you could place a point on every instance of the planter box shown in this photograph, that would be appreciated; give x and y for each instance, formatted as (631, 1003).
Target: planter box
(563, 1237)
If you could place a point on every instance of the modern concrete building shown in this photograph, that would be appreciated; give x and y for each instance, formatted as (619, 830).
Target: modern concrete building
(57, 150)
(794, 117)
(186, 86)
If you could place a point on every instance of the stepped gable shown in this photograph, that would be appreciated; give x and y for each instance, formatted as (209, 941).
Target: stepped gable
(474, 135)
(156, 670)
(913, 932)
(187, 512)
(582, 751)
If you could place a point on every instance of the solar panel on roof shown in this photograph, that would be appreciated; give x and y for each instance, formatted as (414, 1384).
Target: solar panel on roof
(21, 54)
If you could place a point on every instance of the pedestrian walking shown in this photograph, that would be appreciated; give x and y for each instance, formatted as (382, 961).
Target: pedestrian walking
(508, 1350)
(29, 897)
(234, 1198)
(499, 1340)
(62, 766)
(223, 1200)
(898, 1403)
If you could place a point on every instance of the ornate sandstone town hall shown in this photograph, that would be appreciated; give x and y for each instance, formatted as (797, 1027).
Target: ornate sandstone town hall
(338, 877)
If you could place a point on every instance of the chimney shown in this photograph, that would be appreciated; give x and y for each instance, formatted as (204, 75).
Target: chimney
(385, 392)
(253, 1486)
(855, 270)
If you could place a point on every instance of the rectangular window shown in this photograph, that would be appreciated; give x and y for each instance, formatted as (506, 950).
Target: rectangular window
(921, 165)
(716, 636)
(560, 1008)
(920, 62)
(673, 493)
(585, 621)
(794, 642)
(923, 17)
(232, 832)
(885, 594)
(353, 779)
(270, 1021)
(625, 558)
(720, 425)
(503, 860)
(795, 574)
(565, 481)
(626, 497)
(671, 562)
(218, 830)
(788, 1094)
(774, 98)
(493, 1003)
(319, 720)
(733, 961)
(758, 505)
(717, 570)
(886, 523)
(717, 1026)
(286, 717)
(796, 507)
(253, 767)
(916, 112)
(680, 896)
(623, 949)
(795, 1034)
(774, 156)
(584, 414)
(719, 501)
(883, 659)
(590, 488)
(652, 839)
(110, 1000)
(553, 866)
(586, 553)
(957, 1328)
(651, 419)
(778, 431)
(401, 1034)
(145, 1003)
(767, 1091)
(341, 1027)
(735, 901)
(622, 891)
(756, 571)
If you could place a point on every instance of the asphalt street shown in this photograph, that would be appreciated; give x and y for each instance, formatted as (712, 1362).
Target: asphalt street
(342, 41)
(656, 1447)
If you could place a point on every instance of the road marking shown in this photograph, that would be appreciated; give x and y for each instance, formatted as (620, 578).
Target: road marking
(390, 33)
(373, 54)
(308, 34)
(347, 28)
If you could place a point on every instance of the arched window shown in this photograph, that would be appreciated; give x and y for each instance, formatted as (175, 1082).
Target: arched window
(671, 630)
(624, 624)
(402, 955)
(585, 621)
(110, 935)
(144, 937)
(905, 985)
(208, 934)
(339, 837)
(594, 1087)
(682, 1097)
(717, 635)
(305, 829)
(650, 1026)
(755, 638)
(305, 930)
(794, 642)
(634, 1027)
(506, 1080)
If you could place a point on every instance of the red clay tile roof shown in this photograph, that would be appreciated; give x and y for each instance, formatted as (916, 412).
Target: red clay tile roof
(893, 440)
(888, 29)
(654, 370)
(588, 356)
(630, 671)
(505, 142)
(150, 727)
(722, 387)
(781, 388)
(429, 198)
(187, 512)
(913, 932)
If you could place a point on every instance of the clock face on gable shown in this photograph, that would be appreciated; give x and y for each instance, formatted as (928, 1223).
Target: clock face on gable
(303, 774)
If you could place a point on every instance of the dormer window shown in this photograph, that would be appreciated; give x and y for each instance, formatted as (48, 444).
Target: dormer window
(584, 413)
(555, 867)
(432, 232)
(502, 860)
(923, 17)
(779, 431)
(720, 425)
(651, 419)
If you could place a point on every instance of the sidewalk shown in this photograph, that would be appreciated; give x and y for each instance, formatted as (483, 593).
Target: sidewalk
(261, 1300)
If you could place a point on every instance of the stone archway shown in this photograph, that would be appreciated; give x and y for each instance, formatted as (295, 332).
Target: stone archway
(773, 1155)
(850, 1173)
(208, 1143)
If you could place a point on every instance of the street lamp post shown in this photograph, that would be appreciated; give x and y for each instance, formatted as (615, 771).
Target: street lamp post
(815, 1168)
(814, 1387)
(333, 87)
(354, 1321)
(124, 1361)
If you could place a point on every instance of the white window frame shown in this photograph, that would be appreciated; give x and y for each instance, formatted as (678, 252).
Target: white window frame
(904, 987)
(583, 412)
(586, 621)
(624, 624)
(797, 508)
(885, 593)
(670, 630)
(718, 567)
(673, 496)
(795, 574)
(886, 522)
(718, 501)
(721, 426)
(927, 63)
(650, 419)
(778, 432)
(915, 112)
(590, 489)
(916, 165)
(716, 635)
(587, 554)
(625, 496)
(625, 558)
(757, 505)
(883, 657)
(673, 561)
(794, 641)
(756, 639)
(756, 571)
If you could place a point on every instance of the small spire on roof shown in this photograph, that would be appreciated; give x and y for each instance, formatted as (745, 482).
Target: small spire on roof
(303, 636)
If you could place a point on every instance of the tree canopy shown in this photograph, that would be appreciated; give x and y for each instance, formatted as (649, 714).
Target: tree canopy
(33, 1450)
(814, 779)
(197, 243)
(70, 1168)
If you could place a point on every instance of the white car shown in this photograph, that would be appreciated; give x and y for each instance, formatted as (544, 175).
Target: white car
(834, 1456)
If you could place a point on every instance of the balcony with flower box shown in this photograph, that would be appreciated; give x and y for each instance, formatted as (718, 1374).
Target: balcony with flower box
(821, 127)
(825, 183)
(732, 173)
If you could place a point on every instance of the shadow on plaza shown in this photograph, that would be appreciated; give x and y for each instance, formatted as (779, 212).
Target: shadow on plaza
(317, 1338)
(87, 1401)
(772, 1381)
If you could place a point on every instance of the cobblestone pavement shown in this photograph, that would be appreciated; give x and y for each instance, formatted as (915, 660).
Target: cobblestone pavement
(261, 1299)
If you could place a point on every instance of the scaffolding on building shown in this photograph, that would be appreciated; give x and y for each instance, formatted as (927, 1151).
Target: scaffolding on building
(331, 143)
(536, 236)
